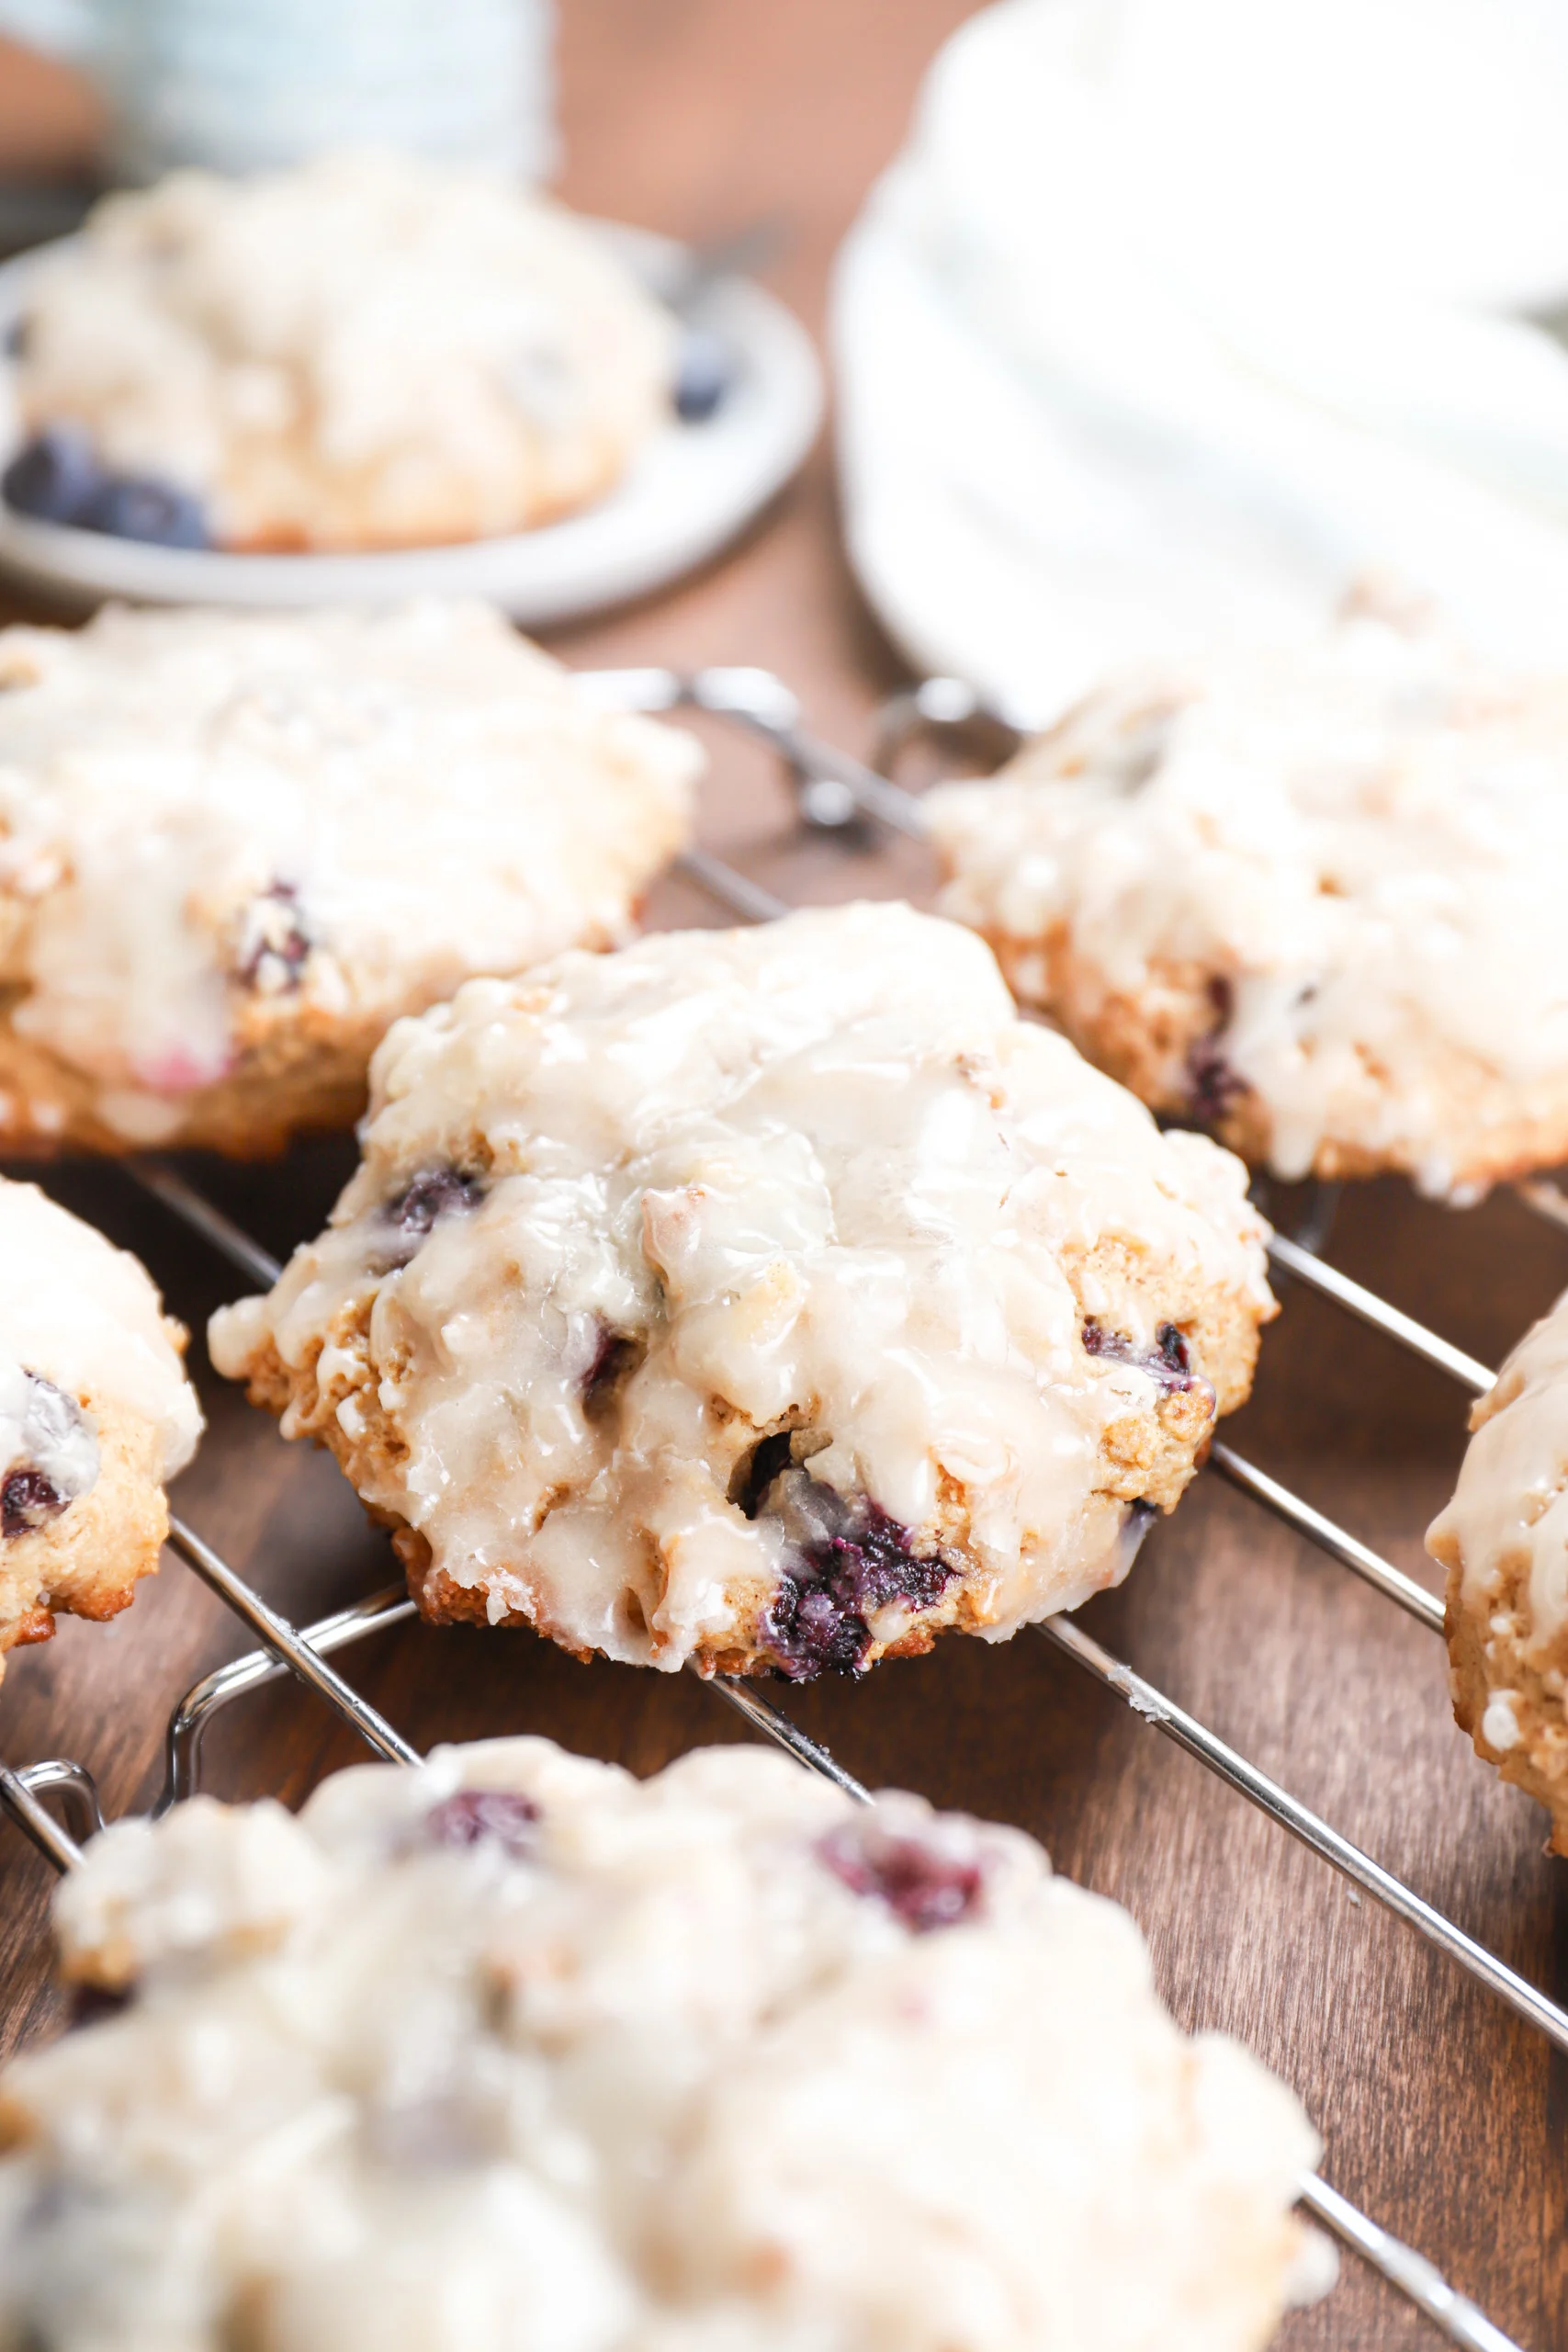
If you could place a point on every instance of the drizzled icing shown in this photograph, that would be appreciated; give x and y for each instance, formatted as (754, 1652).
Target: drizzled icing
(1510, 1507)
(1363, 842)
(372, 2075)
(83, 1315)
(209, 819)
(369, 350)
(813, 1184)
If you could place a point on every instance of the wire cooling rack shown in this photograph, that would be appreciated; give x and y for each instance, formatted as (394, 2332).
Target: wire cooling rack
(834, 791)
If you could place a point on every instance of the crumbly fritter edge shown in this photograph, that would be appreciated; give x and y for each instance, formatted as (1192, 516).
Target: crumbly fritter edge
(1145, 1040)
(1149, 1454)
(1539, 1763)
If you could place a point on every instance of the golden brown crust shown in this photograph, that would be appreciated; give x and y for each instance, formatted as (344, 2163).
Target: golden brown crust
(306, 1080)
(1148, 1456)
(87, 1560)
(1538, 1764)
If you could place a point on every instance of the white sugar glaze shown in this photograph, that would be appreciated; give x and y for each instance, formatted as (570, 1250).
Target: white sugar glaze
(368, 350)
(685, 2065)
(418, 792)
(1512, 1495)
(43, 1429)
(1366, 836)
(83, 1316)
(816, 1172)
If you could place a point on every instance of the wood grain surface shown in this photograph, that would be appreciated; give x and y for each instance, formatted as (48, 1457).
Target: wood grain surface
(1441, 2116)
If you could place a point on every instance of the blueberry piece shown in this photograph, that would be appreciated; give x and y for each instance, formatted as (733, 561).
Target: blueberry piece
(57, 478)
(1099, 1341)
(26, 1500)
(1170, 1361)
(503, 1816)
(616, 1359)
(53, 475)
(422, 1203)
(431, 1194)
(706, 376)
(1213, 1084)
(811, 1628)
(53, 1430)
(135, 507)
(923, 1888)
(846, 1560)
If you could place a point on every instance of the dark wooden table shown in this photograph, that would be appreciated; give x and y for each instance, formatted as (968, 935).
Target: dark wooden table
(1442, 2117)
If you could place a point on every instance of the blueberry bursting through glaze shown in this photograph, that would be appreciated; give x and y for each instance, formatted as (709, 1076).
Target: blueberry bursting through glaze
(504, 1818)
(845, 1560)
(923, 1888)
(56, 478)
(413, 1214)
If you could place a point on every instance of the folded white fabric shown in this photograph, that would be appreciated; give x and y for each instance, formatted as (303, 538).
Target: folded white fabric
(1177, 318)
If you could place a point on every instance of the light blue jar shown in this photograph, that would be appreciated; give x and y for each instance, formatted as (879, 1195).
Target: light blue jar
(244, 85)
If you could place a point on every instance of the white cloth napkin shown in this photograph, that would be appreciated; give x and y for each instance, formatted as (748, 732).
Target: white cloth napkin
(1177, 318)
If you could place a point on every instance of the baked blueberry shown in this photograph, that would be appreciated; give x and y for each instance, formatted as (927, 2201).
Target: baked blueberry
(1213, 1087)
(846, 1560)
(422, 1203)
(53, 1453)
(920, 1885)
(26, 1500)
(503, 1816)
(706, 376)
(136, 506)
(53, 476)
(1169, 1361)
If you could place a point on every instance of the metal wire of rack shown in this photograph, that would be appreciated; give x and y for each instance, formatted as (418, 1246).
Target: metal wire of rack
(834, 790)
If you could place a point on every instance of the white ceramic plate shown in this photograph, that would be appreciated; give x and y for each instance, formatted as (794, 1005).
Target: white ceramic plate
(692, 488)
